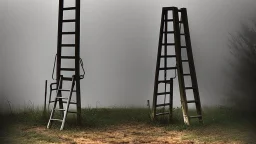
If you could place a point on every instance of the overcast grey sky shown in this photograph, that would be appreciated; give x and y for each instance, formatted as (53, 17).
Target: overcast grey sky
(119, 41)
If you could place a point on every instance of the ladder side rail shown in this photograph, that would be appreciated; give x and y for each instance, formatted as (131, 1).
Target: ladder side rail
(158, 64)
(68, 103)
(55, 104)
(180, 66)
(171, 100)
(165, 55)
(60, 26)
(77, 60)
(191, 61)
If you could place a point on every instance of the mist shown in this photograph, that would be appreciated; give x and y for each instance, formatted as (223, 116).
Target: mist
(119, 42)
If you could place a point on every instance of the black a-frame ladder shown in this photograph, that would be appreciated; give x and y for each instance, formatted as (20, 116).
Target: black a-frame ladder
(75, 78)
(179, 20)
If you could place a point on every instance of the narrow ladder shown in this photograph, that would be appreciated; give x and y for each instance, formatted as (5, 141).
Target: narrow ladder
(163, 42)
(58, 98)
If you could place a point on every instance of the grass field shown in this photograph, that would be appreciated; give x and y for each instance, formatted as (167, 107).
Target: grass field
(127, 125)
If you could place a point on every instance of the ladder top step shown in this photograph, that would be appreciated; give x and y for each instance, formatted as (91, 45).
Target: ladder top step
(168, 68)
(160, 105)
(67, 69)
(56, 120)
(69, 20)
(165, 113)
(69, 8)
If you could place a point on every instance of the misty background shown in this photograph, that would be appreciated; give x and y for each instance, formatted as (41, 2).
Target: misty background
(119, 42)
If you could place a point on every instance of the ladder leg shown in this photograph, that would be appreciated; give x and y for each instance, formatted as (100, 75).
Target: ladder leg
(191, 64)
(52, 114)
(68, 102)
(171, 100)
(158, 65)
(180, 67)
(55, 104)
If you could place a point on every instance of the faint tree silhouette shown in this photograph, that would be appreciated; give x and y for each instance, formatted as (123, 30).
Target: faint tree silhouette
(242, 87)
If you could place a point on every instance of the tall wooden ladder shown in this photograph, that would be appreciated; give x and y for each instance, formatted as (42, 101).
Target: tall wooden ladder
(177, 24)
(75, 78)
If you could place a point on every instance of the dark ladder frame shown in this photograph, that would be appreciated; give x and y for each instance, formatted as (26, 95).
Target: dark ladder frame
(77, 52)
(179, 63)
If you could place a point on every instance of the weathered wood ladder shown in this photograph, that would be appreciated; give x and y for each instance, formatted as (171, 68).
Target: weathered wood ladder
(177, 23)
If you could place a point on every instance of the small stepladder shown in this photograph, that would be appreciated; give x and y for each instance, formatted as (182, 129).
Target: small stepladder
(163, 42)
(58, 98)
(74, 78)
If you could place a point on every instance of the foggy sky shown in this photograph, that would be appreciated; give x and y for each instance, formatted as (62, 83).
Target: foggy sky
(119, 42)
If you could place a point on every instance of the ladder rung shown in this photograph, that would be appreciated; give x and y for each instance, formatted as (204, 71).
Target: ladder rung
(186, 74)
(168, 44)
(163, 93)
(67, 69)
(182, 34)
(169, 20)
(189, 88)
(184, 60)
(183, 47)
(69, 8)
(66, 90)
(56, 120)
(63, 90)
(67, 78)
(70, 20)
(68, 45)
(180, 21)
(168, 68)
(199, 116)
(69, 102)
(59, 109)
(191, 101)
(61, 98)
(164, 81)
(162, 113)
(159, 105)
(68, 57)
(168, 56)
(67, 33)
(169, 32)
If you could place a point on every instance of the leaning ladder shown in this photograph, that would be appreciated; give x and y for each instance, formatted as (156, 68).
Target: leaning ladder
(59, 69)
(163, 42)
